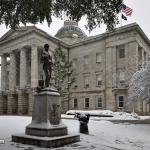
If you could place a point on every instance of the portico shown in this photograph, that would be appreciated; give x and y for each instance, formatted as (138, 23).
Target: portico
(20, 69)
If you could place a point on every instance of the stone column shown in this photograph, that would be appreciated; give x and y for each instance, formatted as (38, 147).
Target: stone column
(3, 72)
(12, 98)
(23, 68)
(34, 66)
(12, 72)
(22, 96)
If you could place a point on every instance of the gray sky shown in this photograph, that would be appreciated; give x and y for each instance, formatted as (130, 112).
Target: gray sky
(140, 15)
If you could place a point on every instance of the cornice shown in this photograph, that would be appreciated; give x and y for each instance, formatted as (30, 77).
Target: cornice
(89, 40)
(117, 31)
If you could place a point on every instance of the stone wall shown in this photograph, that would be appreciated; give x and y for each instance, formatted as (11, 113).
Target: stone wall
(109, 68)
(12, 104)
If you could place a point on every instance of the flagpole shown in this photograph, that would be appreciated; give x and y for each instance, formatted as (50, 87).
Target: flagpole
(121, 19)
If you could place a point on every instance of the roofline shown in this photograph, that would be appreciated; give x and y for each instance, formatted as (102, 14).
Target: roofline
(13, 30)
(141, 32)
(126, 28)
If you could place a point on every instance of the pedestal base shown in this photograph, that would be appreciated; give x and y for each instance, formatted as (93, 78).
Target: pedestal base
(47, 142)
(51, 132)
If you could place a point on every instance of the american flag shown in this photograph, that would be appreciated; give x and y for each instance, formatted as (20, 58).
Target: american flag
(127, 10)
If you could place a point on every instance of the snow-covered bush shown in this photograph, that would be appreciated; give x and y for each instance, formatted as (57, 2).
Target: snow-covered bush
(139, 87)
(125, 116)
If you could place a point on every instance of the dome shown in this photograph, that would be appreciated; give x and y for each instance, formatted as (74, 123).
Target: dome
(70, 29)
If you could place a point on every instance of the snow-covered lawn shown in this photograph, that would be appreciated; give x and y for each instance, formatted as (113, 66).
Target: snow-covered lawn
(104, 135)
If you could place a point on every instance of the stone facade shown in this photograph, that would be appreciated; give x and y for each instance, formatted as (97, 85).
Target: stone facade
(103, 66)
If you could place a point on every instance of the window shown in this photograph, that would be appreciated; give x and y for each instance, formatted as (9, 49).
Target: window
(86, 81)
(144, 56)
(98, 58)
(85, 60)
(121, 51)
(99, 102)
(98, 80)
(86, 102)
(139, 53)
(120, 101)
(75, 103)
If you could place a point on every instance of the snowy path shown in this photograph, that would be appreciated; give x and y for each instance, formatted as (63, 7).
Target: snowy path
(104, 135)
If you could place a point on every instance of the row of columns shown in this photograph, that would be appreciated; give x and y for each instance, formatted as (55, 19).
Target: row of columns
(23, 69)
(20, 102)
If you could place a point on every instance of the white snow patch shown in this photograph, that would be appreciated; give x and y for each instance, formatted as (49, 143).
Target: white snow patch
(91, 112)
(125, 116)
(144, 117)
(115, 115)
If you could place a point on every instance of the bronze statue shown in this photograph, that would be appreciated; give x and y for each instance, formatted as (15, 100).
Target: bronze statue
(47, 64)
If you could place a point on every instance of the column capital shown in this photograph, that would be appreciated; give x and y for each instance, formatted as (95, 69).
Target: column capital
(23, 48)
(4, 54)
(13, 52)
(34, 45)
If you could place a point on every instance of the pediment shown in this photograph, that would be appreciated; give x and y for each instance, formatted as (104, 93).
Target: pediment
(13, 33)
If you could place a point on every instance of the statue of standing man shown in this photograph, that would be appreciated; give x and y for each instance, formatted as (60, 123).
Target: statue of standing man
(47, 64)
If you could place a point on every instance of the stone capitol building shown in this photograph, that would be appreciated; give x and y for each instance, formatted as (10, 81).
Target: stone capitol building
(102, 66)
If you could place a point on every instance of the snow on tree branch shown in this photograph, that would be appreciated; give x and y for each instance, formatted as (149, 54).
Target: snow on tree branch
(139, 88)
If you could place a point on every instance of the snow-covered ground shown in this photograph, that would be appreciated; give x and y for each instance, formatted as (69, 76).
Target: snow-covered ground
(104, 135)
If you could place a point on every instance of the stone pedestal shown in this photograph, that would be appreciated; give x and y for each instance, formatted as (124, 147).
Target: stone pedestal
(1, 103)
(22, 102)
(46, 128)
(12, 103)
(30, 101)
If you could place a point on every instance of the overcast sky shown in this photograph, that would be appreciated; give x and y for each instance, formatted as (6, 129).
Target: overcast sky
(141, 12)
